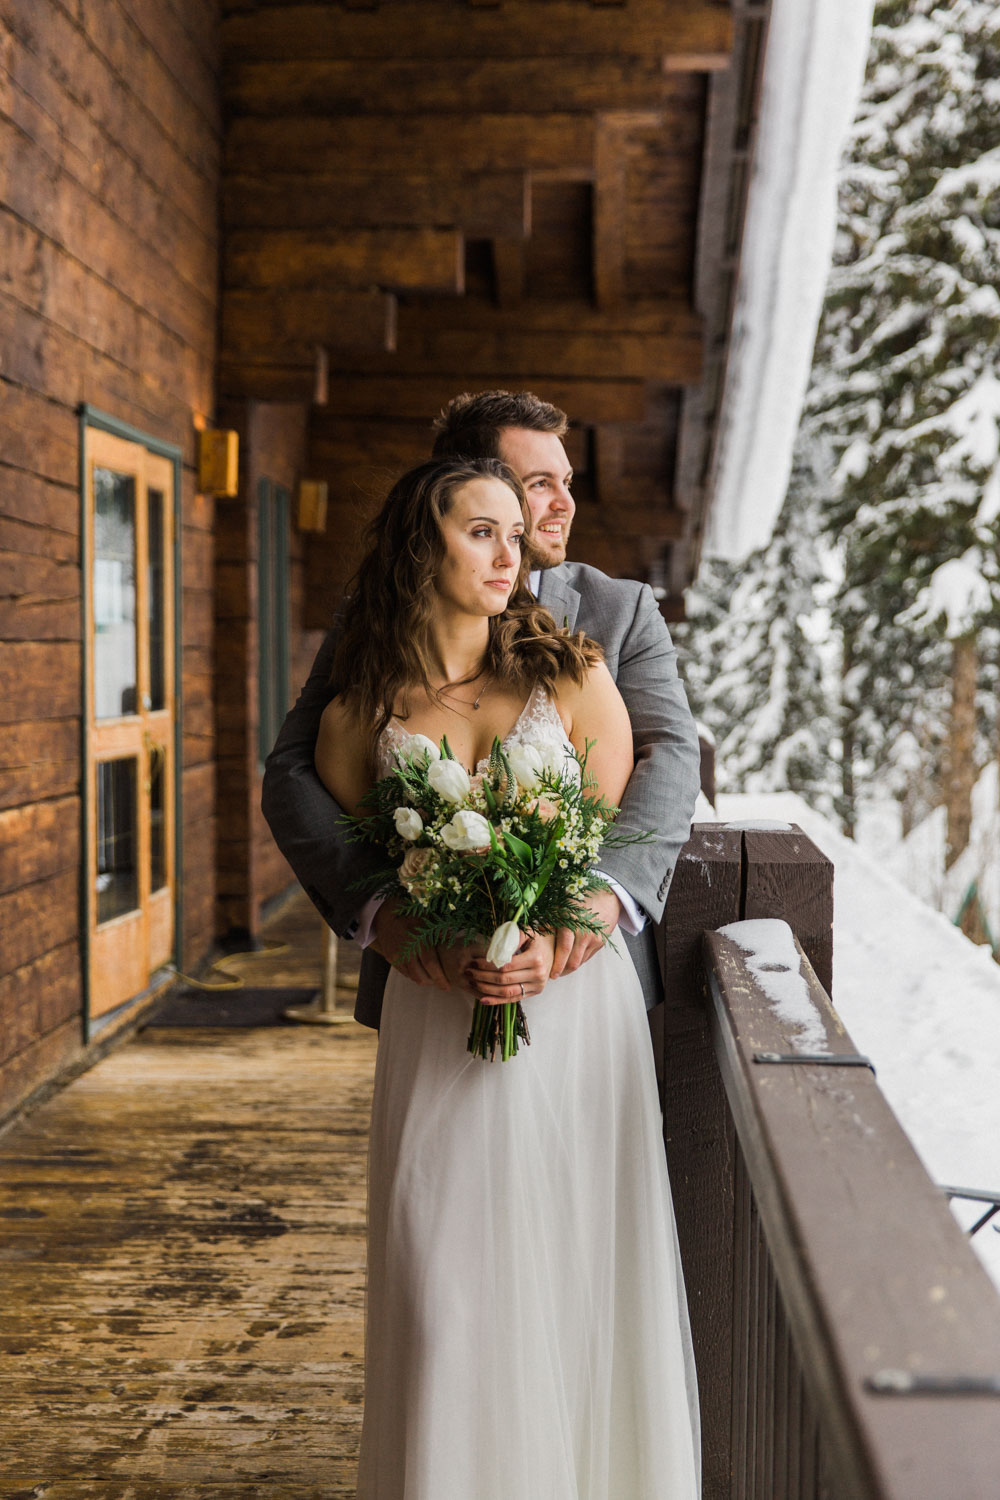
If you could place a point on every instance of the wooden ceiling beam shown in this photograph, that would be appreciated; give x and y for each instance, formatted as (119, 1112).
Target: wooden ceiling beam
(500, 84)
(491, 354)
(481, 205)
(559, 29)
(674, 318)
(289, 322)
(391, 144)
(429, 260)
(421, 397)
(608, 518)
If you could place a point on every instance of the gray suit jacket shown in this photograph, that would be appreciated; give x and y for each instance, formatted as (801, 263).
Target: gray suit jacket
(623, 617)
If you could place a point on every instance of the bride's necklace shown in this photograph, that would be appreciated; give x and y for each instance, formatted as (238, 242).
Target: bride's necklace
(488, 679)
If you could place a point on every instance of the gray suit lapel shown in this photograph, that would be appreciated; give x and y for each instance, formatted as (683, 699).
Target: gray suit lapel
(560, 599)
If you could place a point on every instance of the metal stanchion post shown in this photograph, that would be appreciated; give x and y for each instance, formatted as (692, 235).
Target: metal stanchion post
(323, 1011)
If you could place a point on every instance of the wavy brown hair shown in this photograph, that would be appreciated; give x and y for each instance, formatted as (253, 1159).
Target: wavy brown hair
(384, 646)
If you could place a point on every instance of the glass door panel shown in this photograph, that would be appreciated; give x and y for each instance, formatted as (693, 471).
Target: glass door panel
(117, 838)
(114, 596)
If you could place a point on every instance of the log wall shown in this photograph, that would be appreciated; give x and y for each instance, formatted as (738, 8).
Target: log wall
(109, 177)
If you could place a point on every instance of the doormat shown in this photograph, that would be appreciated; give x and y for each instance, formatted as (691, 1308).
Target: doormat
(246, 1007)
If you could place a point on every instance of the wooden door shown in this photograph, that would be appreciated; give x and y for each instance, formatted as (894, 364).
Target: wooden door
(129, 593)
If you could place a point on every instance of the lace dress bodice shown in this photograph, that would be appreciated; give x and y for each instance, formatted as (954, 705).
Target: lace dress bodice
(538, 720)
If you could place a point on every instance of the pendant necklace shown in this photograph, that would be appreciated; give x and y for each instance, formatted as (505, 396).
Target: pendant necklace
(489, 679)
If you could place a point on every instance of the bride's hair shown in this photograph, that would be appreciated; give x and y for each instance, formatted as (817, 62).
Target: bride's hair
(384, 646)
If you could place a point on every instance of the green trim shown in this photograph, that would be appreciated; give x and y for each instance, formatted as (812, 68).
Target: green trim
(273, 627)
(91, 417)
(178, 714)
(86, 894)
(282, 521)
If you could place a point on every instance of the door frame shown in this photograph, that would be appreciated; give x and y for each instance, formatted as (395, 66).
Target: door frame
(93, 419)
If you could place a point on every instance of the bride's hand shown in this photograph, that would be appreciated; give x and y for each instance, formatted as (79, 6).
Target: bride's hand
(524, 977)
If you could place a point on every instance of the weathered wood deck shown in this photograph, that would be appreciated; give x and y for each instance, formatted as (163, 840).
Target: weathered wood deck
(182, 1267)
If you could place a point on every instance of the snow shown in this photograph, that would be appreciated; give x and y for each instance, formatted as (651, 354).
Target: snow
(956, 593)
(773, 961)
(919, 999)
(758, 825)
(814, 68)
(918, 860)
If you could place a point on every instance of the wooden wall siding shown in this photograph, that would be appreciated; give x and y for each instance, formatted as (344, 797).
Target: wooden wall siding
(250, 868)
(110, 148)
(523, 180)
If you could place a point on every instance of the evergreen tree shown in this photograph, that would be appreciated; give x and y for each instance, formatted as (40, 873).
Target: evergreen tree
(906, 383)
(757, 658)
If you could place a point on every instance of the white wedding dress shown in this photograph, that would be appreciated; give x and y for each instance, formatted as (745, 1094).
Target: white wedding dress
(527, 1334)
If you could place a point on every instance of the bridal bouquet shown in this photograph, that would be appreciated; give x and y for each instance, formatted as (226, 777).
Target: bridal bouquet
(475, 856)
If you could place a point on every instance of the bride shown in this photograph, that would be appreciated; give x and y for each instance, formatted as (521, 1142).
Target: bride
(526, 1326)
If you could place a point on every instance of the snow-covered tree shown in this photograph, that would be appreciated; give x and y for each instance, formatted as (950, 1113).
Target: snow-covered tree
(757, 659)
(906, 384)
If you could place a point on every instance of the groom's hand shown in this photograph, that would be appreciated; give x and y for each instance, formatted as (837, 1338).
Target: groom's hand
(391, 934)
(444, 968)
(574, 948)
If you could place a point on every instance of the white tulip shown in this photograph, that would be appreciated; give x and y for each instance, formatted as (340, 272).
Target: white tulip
(504, 944)
(449, 780)
(409, 823)
(417, 744)
(526, 763)
(467, 830)
(552, 754)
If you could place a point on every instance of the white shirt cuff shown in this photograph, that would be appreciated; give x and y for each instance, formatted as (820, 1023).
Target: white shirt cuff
(633, 918)
(364, 927)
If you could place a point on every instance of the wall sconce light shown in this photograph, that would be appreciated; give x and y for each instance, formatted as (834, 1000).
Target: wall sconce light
(312, 504)
(218, 462)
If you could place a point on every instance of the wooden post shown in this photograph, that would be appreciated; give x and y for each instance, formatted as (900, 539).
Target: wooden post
(723, 875)
(697, 1127)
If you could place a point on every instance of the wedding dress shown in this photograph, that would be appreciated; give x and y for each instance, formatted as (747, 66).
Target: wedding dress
(527, 1334)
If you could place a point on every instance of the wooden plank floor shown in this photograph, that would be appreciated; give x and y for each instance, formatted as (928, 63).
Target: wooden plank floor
(182, 1265)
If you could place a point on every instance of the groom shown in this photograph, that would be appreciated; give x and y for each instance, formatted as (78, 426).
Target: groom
(623, 617)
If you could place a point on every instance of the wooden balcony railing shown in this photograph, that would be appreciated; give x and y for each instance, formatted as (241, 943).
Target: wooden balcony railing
(847, 1337)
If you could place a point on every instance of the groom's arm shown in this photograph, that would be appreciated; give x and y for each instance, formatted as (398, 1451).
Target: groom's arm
(661, 794)
(303, 817)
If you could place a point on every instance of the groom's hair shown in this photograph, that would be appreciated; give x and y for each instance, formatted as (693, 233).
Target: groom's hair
(470, 426)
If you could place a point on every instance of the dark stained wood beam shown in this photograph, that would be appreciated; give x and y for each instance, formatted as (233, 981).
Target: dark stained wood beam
(610, 211)
(673, 318)
(696, 29)
(421, 397)
(500, 84)
(608, 518)
(387, 144)
(481, 205)
(493, 353)
(289, 323)
(411, 259)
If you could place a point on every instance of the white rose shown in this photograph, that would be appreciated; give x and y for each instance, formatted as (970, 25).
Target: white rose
(417, 865)
(526, 763)
(449, 780)
(467, 830)
(504, 944)
(417, 744)
(409, 823)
